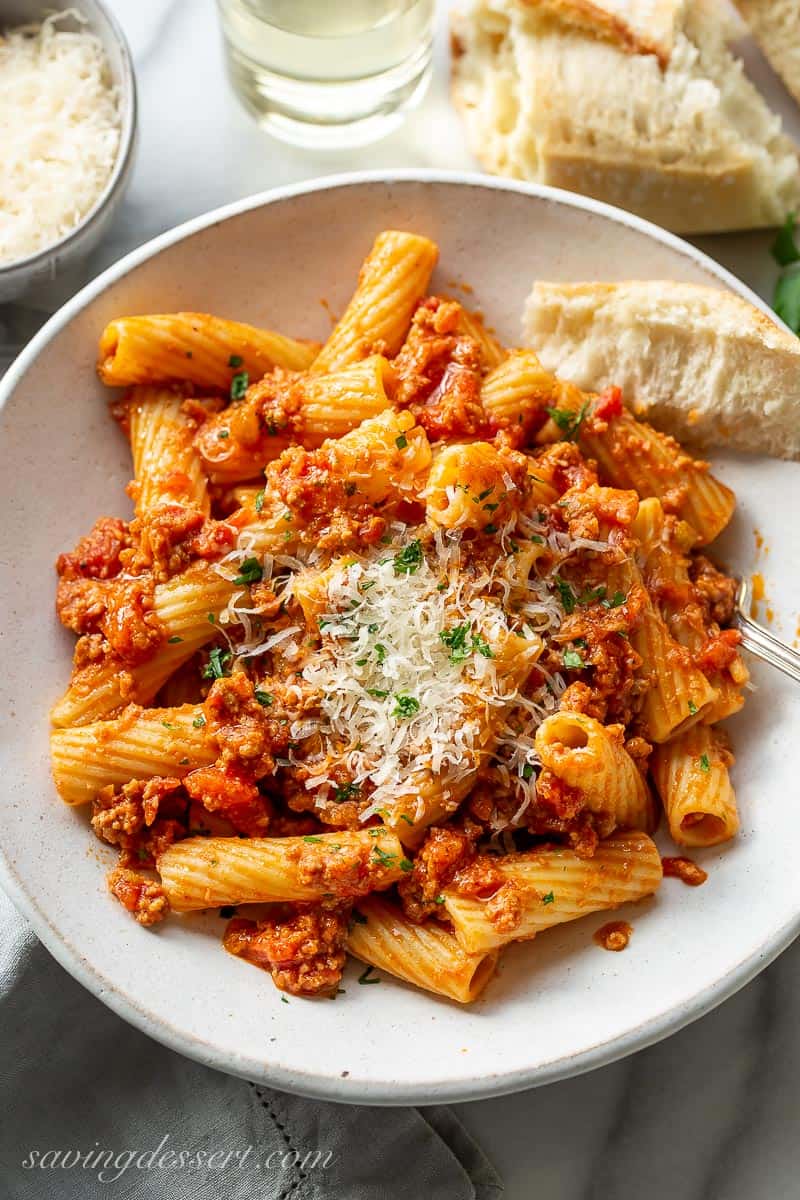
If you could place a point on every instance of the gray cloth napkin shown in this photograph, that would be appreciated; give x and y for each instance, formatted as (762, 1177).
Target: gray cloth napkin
(91, 1107)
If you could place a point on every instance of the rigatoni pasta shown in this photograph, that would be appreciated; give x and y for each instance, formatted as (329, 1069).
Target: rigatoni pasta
(553, 886)
(691, 774)
(425, 955)
(395, 642)
(195, 347)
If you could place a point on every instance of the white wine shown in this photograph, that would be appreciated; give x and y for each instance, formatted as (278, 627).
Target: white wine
(319, 72)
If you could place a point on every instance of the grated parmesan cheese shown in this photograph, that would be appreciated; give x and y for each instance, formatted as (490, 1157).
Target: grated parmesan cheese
(380, 643)
(59, 132)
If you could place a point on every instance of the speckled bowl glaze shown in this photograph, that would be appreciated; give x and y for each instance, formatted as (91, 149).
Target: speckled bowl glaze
(558, 1006)
(20, 276)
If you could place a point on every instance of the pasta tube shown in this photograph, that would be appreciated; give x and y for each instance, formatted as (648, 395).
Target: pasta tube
(207, 872)
(393, 279)
(587, 756)
(426, 955)
(141, 744)
(196, 347)
(691, 775)
(557, 886)
(166, 465)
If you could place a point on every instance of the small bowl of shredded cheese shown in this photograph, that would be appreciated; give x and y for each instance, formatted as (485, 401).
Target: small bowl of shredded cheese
(67, 135)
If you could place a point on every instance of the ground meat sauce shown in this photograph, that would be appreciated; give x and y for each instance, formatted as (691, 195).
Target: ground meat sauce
(716, 592)
(684, 869)
(253, 430)
(304, 949)
(614, 936)
(98, 554)
(144, 898)
(437, 374)
(173, 536)
(333, 513)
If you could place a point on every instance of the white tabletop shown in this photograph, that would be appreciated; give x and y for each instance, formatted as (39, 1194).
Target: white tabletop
(710, 1114)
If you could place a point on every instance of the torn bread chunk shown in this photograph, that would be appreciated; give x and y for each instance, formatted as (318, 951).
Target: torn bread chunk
(652, 114)
(701, 364)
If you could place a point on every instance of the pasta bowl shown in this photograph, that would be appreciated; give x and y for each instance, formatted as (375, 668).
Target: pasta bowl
(559, 1005)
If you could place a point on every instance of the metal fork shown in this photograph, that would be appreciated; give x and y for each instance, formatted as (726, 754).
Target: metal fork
(759, 641)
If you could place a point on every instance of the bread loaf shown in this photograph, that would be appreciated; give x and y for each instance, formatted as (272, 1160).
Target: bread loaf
(636, 102)
(776, 26)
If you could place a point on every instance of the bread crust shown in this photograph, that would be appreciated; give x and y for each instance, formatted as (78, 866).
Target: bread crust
(776, 27)
(650, 35)
(508, 83)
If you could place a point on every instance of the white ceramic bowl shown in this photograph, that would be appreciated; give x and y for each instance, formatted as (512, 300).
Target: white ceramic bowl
(19, 276)
(559, 1006)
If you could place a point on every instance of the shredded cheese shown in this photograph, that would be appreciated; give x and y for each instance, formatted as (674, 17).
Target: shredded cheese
(407, 676)
(59, 132)
(405, 670)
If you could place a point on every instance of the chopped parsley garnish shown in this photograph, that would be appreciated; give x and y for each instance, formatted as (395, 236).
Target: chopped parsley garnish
(481, 646)
(548, 898)
(401, 442)
(785, 249)
(259, 501)
(211, 618)
(284, 1000)
(263, 698)
(380, 856)
(218, 660)
(380, 652)
(490, 528)
(567, 595)
(239, 385)
(573, 660)
(405, 707)
(438, 899)
(568, 422)
(364, 977)
(613, 601)
(199, 721)
(455, 639)
(173, 641)
(235, 361)
(527, 771)
(786, 301)
(406, 864)
(346, 791)
(461, 644)
(309, 837)
(167, 725)
(405, 817)
(250, 571)
(408, 560)
(705, 765)
(224, 433)
(377, 693)
(692, 707)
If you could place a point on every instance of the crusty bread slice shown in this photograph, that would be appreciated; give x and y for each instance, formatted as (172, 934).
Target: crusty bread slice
(550, 91)
(776, 26)
(703, 365)
(637, 26)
